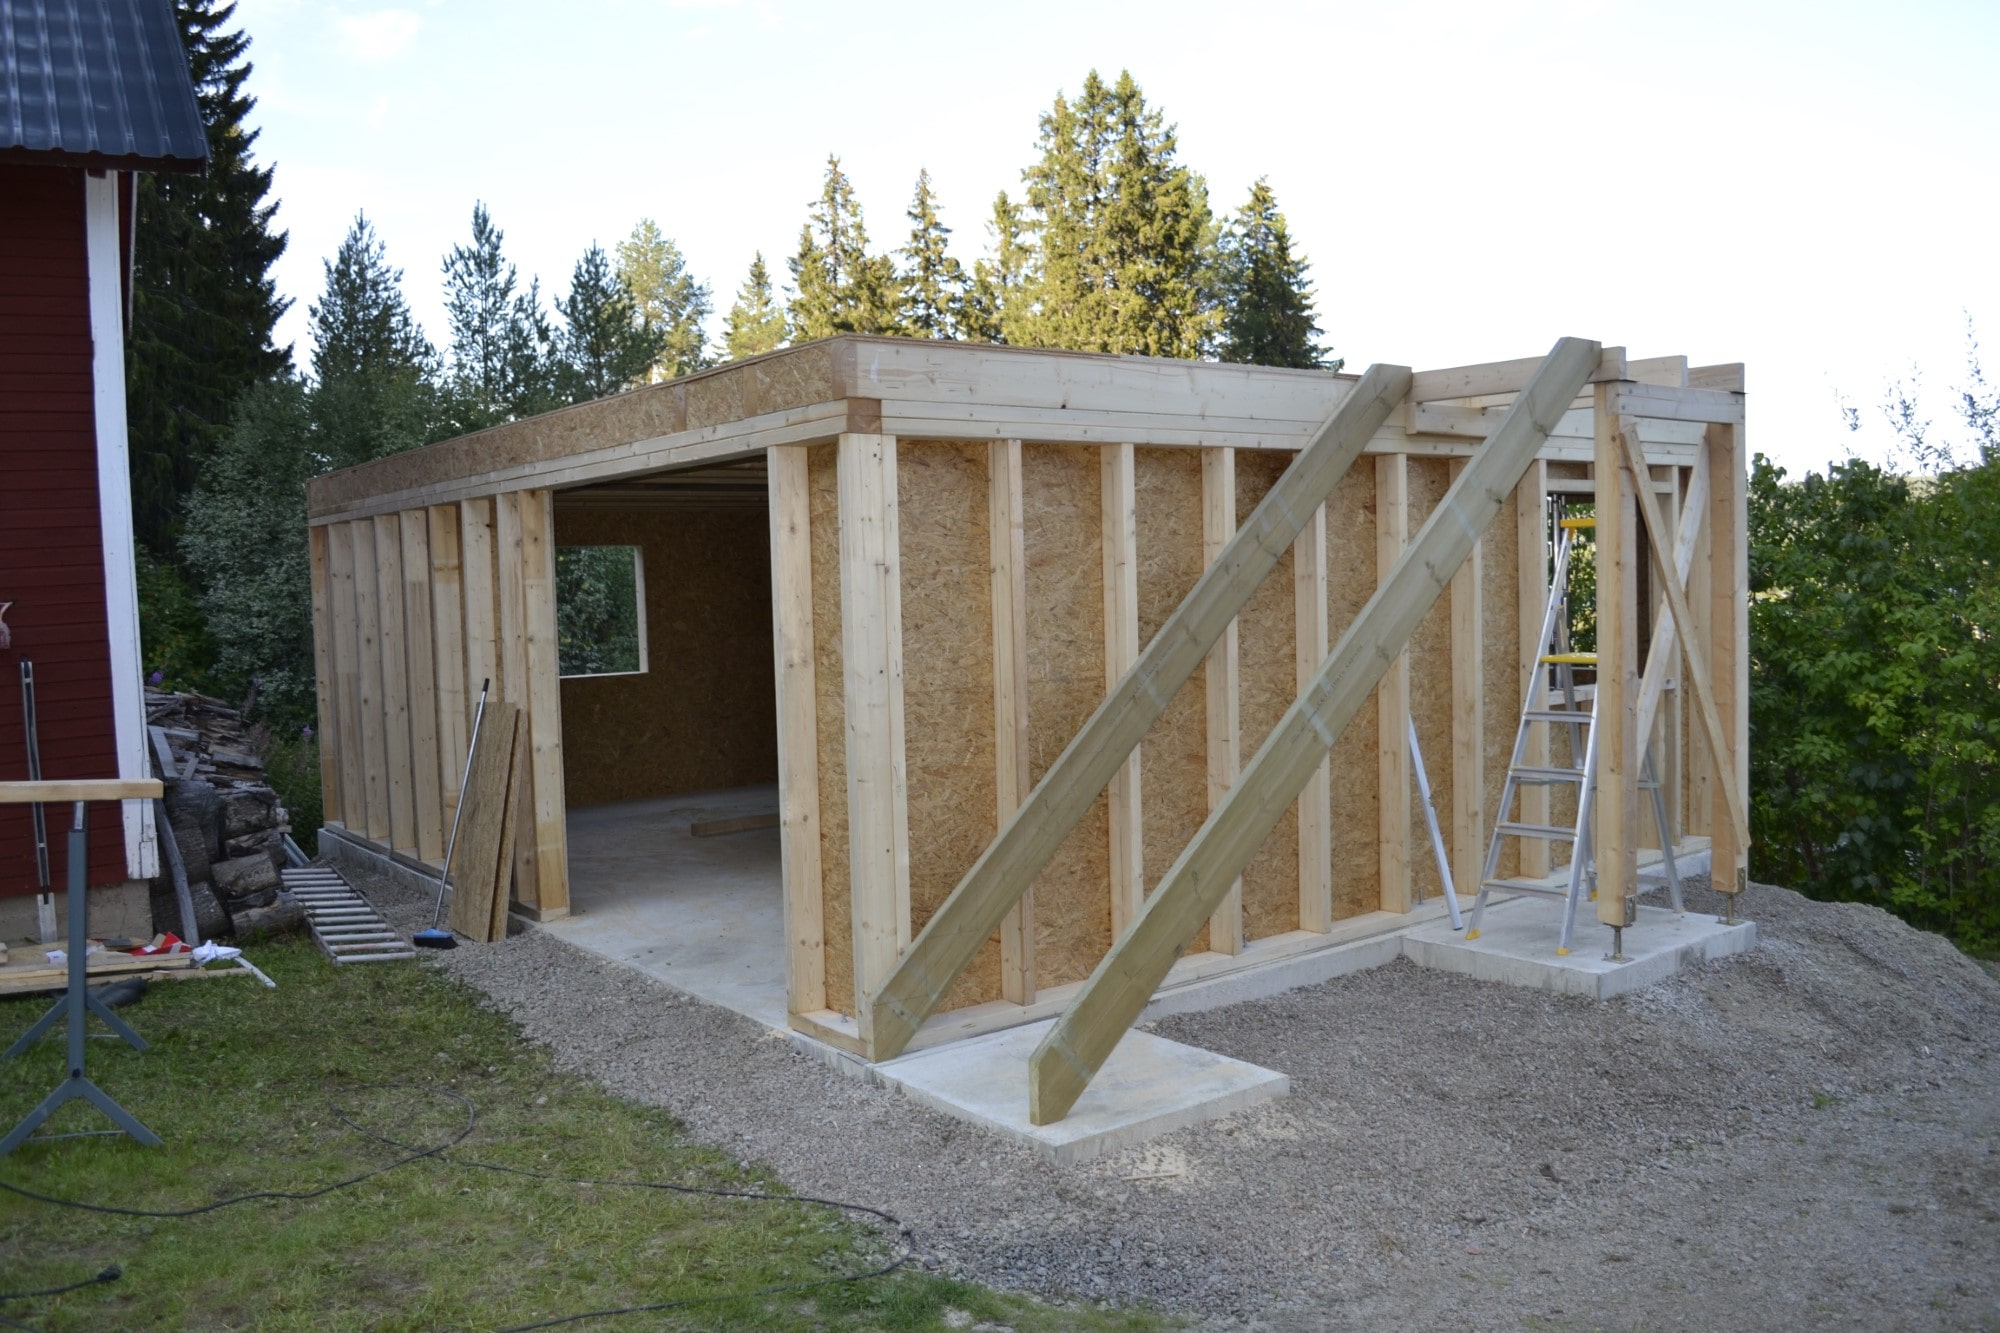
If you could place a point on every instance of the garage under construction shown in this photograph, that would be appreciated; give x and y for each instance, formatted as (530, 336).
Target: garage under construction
(1066, 677)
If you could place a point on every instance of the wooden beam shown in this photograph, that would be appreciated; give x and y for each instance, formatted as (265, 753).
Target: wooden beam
(1660, 403)
(1222, 677)
(1468, 712)
(798, 730)
(872, 656)
(1309, 617)
(1615, 846)
(1729, 650)
(323, 691)
(346, 625)
(52, 791)
(368, 654)
(1531, 556)
(482, 622)
(511, 603)
(1502, 377)
(448, 628)
(1003, 872)
(1007, 538)
(1727, 377)
(544, 745)
(1392, 696)
(1664, 651)
(1117, 991)
(1118, 501)
(421, 641)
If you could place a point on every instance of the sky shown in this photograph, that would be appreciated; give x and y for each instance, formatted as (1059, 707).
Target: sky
(1810, 189)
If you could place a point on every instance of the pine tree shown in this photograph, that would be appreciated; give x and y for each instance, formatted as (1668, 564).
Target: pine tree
(605, 346)
(994, 297)
(840, 287)
(374, 373)
(1267, 298)
(934, 283)
(501, 367)
(668, 297)
(756, 323)
(204, 304)
(1123, 235)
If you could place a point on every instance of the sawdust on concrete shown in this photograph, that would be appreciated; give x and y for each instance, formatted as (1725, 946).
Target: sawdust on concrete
(1806, 1135)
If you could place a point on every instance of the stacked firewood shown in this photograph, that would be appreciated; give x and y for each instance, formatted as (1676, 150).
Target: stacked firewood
(226, 825)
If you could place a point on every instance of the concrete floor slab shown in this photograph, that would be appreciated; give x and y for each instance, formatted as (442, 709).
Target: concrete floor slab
(1517, 946)
(1149, 1085)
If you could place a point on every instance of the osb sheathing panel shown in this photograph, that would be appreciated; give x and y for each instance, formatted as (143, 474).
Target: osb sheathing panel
(831, 715)
(1173, 758)
(1350, 582)
(1065, 578)
(701, 716)
(1500, 584)
(1267, 683)
(947, 682)
(1430, 691)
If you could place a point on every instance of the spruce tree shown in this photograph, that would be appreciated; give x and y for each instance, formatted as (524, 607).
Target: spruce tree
(501, 363)
(1267, 298)
(994, 298)
(669, 299)
(756, 323)
(839, 286)
(374, 389)
(204, 304)
(1124, 239)
(934, 283)
(604, 346)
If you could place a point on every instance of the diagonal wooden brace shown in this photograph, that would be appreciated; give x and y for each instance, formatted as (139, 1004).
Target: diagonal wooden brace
(1117, 991)
(1004, 871)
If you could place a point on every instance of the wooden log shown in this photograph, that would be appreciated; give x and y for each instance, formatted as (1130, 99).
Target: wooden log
(1007, 538)
(1117, 991)
(966, 919)
(1392, 696)
(1120, 507)
(798, 737)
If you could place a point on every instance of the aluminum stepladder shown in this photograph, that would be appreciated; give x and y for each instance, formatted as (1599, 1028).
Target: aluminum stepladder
(1556, 672)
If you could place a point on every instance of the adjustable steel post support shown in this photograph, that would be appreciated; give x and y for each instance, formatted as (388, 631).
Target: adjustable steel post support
(77, 1004)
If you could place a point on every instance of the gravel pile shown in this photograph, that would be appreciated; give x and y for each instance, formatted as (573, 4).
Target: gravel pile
(1806, 1135)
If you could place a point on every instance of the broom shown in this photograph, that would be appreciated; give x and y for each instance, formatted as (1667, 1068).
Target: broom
(437, 937)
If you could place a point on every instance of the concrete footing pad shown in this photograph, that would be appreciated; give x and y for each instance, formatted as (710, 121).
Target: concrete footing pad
(1517, 947)
(1149, 1085)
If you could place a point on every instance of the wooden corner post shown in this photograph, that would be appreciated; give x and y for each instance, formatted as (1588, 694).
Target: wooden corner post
(1615, 846)
(1729, 650)
(1007, 536)
(798, 743)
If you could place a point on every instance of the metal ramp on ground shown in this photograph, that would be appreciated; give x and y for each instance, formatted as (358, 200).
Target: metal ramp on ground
(344, 924)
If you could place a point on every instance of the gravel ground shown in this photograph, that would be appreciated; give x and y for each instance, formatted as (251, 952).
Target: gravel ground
(1806, 1135)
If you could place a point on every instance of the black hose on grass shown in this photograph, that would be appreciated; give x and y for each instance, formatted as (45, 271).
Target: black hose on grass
(440, 1152)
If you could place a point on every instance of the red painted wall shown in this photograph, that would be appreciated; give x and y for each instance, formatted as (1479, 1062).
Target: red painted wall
(51, 554)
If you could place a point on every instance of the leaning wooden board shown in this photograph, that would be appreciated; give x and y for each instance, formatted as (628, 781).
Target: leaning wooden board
(483, 855)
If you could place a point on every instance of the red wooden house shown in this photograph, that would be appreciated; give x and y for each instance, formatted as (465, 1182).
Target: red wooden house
(91, 92)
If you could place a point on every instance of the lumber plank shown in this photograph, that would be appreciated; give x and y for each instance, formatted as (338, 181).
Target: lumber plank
(1664, 651)
(1117, 991)
(368, 650)
(448, 628)
(544, 754)
(1004, 870)
(1494, 377)
(1007, 538)
(345, 624)
(511, 605)
(323, 693)
(798, 743)
(1309, 618)
(50, 791)
(482, 624)
(1661, 403)
(716, 828)
(871, 651)
(1119, 504)
(1616, 734)
(479, 873)
(1531, 555)
(1223, 682)
(395, 683)
(1727, 377)
(1392, 696)
(1707, 708)
(1729, 651)
(427, 785)
(1468, 712)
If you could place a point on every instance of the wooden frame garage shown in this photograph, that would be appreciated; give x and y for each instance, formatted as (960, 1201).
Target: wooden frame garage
(997, 573)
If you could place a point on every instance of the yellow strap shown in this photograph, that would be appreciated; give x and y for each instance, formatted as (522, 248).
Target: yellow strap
(1586, 521)
(1571, 659)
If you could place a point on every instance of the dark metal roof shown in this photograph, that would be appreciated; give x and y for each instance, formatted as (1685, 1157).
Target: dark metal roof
(97, 83)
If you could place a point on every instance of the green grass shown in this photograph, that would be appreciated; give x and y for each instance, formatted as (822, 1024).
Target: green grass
(245, 1085)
